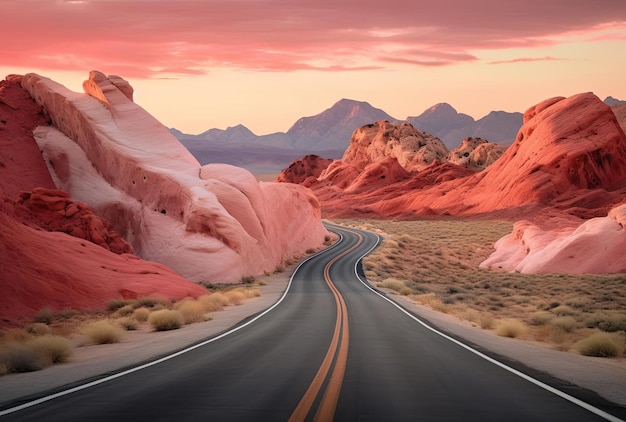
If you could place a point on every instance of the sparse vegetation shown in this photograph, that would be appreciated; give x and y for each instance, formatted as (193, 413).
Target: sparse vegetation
(44, 316)
(38, 329)
(601, 345)
(127, 323)
(510, 328)
(192, 311)
(51, 349)
(166, 319)
(436, 261)
(141, 314)
(102, 332)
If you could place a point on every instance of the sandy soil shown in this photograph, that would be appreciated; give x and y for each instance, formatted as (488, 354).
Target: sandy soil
(607, 377)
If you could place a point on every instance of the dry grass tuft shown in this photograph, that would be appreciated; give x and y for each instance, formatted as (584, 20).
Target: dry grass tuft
(102, 332)
(601, 345)
(166, 319)
(38, 329)
(127, 323)
(511, 328)
(235, 297)
(51, 349)
(115, 304)
(214, 302)
(125, 310)
(19, 357)
(564, 323)
(44, 316)
(192, 311)
(141, 314)
(16, 335)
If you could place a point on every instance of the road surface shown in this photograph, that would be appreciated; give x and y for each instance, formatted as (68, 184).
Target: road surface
(331, 349)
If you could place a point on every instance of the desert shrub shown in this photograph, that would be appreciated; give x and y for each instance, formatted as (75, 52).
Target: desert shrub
(541, 317)
(510, 328)
(391, 244)
(439, 306)
(565, 323)
(370, 274)
(251, 292)
(248, 279)
(125, 310)
(166, 319)
(578, 302)
(486, 322)
(68, 313)
(19, 357)
(601, 345)
(44, 316)
(235, 297)
(141, 314)
(564, 310)
(102, 332)
(148, 302)
(214, 302)
(16, 335)
(391, 283)
(192, 311)
(127, 323)
(115, 304)
(609, 322)
(51, 349)
(38, 329)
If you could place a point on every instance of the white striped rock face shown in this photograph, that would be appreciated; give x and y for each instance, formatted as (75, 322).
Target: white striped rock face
(596, 246)
(214, 223)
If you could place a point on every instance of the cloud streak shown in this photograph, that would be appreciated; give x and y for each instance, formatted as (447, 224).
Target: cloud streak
(144, 38)
(527, 60)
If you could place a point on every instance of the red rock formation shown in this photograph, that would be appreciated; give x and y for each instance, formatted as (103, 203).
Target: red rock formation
(412, 148)
(212, 223)
(301, 169)
(21, 166)
(44, 259)
(570, 154)
(56, 270)
(475, 153)
(54, 210)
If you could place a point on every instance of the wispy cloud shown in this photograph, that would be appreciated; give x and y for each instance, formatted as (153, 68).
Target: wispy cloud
(527, 59)
(142, 38)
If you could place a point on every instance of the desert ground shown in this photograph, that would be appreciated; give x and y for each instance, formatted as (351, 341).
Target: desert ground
(435, 263)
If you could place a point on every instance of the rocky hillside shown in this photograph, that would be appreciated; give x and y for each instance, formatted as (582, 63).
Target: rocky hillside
(568, 155)
(87, 178)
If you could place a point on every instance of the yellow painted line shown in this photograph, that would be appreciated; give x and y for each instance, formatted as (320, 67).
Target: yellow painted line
(329, 401)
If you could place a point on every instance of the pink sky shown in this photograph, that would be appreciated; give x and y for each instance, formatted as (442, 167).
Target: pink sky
(264, 63)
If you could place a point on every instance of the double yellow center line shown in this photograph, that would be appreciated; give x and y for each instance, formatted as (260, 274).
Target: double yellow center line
(326, 409)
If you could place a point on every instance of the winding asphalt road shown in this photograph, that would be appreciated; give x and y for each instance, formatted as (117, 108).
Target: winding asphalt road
(331, 349)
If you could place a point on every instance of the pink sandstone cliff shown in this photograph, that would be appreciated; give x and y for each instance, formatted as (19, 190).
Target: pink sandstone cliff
(56, 252)
(209, 223)
(597, 245)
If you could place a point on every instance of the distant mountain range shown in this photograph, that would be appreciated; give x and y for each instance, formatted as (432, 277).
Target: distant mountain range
(328, 134)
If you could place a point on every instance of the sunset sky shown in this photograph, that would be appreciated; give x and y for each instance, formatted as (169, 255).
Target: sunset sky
(197, 64)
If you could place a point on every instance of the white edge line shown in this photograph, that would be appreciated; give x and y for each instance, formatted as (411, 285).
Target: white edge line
(168, 357)
(538, 383)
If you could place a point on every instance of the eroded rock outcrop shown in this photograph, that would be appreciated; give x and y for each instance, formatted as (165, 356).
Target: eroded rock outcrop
(412, 148)
(59, 271)
(213, 223)
(475, 153)
(595, 246)
(569, 155)
(301, 169)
